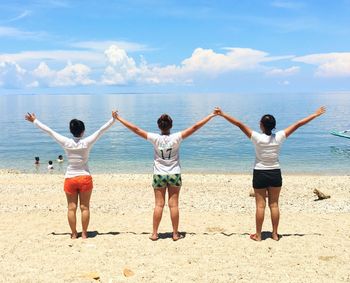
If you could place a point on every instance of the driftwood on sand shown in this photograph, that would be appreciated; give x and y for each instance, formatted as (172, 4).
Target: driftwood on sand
(320, 195)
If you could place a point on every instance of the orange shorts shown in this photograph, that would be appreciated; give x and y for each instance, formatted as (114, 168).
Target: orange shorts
(78, 184)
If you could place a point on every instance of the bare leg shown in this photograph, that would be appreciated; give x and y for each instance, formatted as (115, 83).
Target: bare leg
(274, 193)
(72, 201)
(85, 211)
(173, 203)
(260, 201)
(159, 197)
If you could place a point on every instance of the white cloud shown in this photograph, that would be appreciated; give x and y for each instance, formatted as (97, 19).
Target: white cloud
(123, 69)
(43, 71)
(17, 33)
(103, 45)
(24, 14)
(283, 72)
(328, 64)
(208, 61)
(55, 56)
(34, 84)
(70, 75)
(12, 75)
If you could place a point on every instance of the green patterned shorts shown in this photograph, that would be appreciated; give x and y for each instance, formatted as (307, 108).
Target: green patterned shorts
(163, 181)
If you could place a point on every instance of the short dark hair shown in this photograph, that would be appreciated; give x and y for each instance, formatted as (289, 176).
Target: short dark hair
(269, 123)
(76, 127)
(37, 158)
(165, 122)
(50, 162)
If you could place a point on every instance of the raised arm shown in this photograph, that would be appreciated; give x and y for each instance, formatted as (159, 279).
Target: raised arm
(292, 128)
(96, 135)
(56, 136)
(138, 131)
(189, 131)
(245, 129)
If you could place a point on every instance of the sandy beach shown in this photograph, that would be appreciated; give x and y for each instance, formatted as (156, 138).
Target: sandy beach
(216, 218)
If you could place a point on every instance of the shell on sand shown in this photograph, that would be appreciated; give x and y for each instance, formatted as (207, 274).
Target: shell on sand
(128, 272)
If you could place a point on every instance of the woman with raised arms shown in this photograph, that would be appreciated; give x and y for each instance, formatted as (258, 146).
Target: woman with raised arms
(267, 177)
(166, 169)
(78, 181)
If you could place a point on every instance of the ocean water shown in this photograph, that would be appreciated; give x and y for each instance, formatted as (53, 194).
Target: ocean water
(217, 147)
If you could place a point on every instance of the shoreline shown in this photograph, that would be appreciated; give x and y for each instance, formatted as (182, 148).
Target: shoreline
(184, 172)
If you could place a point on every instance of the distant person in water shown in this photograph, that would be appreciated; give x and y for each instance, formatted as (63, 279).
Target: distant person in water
(37, 160)
(60, 159)
(166, 169)
(50, 165)
(267, 177)
(78, 181)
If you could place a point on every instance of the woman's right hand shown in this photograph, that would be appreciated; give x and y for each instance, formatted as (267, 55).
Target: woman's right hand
(30, 117)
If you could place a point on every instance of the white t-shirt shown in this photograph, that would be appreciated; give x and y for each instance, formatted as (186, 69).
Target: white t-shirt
(267, 150)
(77, 149)
(166, 153)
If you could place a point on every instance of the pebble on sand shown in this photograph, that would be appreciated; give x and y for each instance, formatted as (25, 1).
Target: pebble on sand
(128, 272)
(92, 275)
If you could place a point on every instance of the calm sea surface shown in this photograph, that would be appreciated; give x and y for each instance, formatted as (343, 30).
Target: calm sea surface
(217, 147)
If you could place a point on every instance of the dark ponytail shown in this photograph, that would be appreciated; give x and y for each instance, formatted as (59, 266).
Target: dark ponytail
(269, 123)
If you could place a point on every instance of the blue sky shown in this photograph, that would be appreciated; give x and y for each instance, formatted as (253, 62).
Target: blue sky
(62, 46)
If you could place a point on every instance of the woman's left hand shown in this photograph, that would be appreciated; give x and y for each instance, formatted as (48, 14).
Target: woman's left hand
(115, 114)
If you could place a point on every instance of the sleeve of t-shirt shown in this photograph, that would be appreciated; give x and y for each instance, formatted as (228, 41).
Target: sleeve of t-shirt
(177, 138)
(90, 140)
(280, 136)
(56, 136)
(151, 137)
(255, 136)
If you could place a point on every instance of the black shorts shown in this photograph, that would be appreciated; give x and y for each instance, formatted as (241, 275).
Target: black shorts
(263, 179)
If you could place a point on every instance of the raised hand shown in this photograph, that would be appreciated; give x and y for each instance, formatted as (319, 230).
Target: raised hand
(320, 111)
(30, 117)
(217, 111)
(115, 114)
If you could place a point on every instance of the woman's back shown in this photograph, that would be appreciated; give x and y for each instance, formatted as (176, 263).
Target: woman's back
(166, 152)
(267, 148)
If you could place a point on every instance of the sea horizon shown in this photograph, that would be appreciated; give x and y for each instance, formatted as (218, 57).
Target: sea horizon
(218, 147)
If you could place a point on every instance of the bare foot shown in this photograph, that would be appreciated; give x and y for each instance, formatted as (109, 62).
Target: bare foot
(154, 237)
(255, 237)
(177, 236)
(84, 235)
(275, 236)
(74, 235)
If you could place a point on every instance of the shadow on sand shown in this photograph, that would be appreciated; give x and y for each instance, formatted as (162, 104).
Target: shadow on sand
(168, 235)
